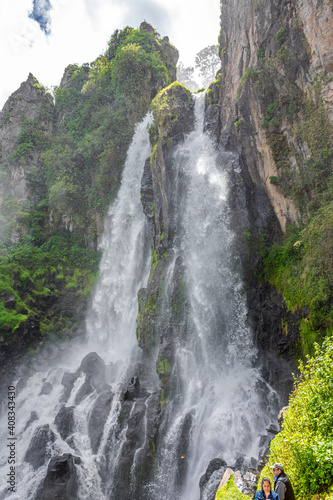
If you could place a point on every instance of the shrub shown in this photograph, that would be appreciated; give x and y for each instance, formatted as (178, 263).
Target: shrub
(230, 492)
(281, 35)
(305, 444)
(302, 269)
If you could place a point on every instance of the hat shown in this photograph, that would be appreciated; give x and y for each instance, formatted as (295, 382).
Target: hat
(277, 466)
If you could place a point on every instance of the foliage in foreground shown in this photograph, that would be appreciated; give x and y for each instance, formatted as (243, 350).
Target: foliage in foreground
(230, 492)
(305, 444)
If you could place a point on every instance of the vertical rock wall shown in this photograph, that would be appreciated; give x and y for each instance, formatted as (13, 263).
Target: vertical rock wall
(250, 33)
(30, 103)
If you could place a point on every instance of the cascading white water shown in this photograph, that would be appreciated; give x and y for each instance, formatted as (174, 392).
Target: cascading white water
(219, 405)
(125, 263)
(111, 327)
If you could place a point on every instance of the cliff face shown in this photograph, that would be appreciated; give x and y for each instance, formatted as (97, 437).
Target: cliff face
(61, 164)
(173, 117)
(29, 107)
(70, 166)
(271, 103)
(271, 51)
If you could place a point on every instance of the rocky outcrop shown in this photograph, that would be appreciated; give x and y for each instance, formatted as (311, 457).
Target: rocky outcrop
(97, 418)
(294, 38)
(29, 106)
(40, 448)
(210, 481)
(245, 482)
(173, 118)
(61, 480)
(276, 63)
(94, 368)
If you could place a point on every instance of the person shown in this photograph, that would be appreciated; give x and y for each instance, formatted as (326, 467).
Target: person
(282, 483)
(266, 491)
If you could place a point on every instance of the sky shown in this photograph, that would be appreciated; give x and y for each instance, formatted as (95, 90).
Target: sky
(43, 36)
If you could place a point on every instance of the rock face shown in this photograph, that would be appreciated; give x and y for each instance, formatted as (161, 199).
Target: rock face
(132, 440)
(61, 479)
(31, 111)
(29, 103)
(39, 450)
(98, 417)
(173, 113)
(273, 54)
(251, 33)
(210, 481)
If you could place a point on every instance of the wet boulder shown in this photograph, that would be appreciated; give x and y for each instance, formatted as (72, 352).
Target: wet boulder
(183, 449)
(95, 369)
(39, 450)
(68, 380)
(132, 390)
(83, 392)
(46, 389)
(98, 417)
(64, 421)
(61, 481)
(211, 479)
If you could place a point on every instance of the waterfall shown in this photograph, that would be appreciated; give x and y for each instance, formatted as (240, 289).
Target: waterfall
(99, 400)
(57, 407)
(125, 264)
(222, 404)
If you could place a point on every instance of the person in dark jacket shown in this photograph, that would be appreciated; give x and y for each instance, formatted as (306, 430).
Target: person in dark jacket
(266, 491)
(282, 483)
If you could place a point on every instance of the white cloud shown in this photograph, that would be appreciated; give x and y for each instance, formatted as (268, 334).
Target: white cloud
(80, 30)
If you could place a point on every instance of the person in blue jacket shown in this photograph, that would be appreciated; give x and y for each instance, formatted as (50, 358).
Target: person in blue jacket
(266, 491)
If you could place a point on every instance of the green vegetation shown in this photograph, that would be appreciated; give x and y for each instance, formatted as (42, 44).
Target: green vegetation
(238, 122)
(230, 492)
(305, 444)
(281, 35)
(74, 174)
(249, 74)
(302, 268)
(165, 109)
(163, 367)
(300, 135)
(49, 284)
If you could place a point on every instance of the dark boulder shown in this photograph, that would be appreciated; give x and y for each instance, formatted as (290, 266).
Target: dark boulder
(94, 367)
(183, 449)
(264, 446)
(64, 421)
(132, 390)
(68, 380)
(83, 392)
(46, 389)
(98, 417)
(61, 482)
(39, 450)
(210, 480)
